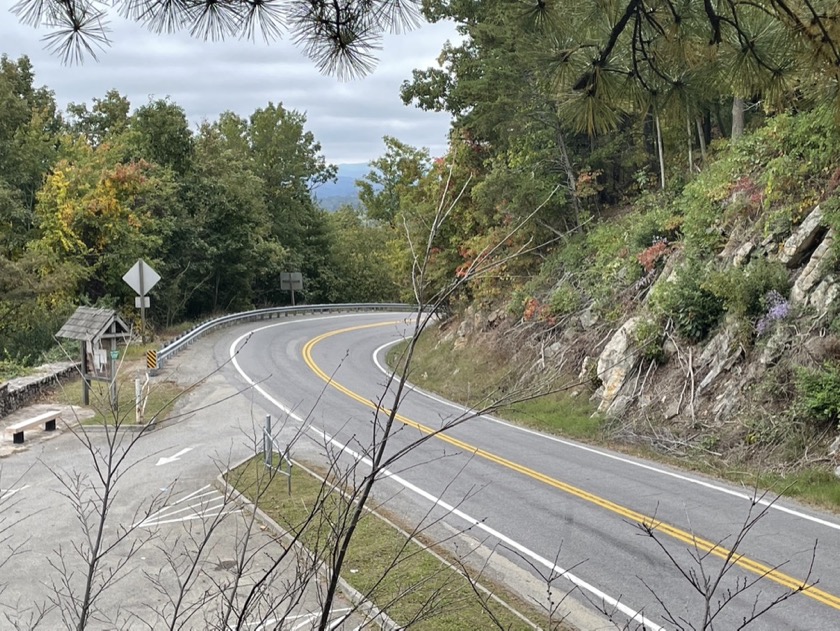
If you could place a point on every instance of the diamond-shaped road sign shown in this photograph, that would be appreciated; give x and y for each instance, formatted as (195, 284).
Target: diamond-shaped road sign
(149, 277)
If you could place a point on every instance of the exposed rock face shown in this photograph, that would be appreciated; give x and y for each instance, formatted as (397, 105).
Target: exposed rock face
(803, 239)
(814, 271)
(588, 318)
(720, 354)
(495, 318)
(708, 385)
(742, 254)
(553, 350)
(739, 246)
(470, 323)
(824, 295)
(615, 365)
(774, 348)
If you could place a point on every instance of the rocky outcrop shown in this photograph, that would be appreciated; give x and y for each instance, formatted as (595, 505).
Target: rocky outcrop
(802, 241)
(824, 295)
(742, 254)
(717, 388)
(720, 354)
(588, 318)
(719, 377)
(816, 269)
(474, 321)
(615, 364)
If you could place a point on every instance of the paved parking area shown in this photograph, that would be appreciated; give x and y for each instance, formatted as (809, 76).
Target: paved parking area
(174, 546)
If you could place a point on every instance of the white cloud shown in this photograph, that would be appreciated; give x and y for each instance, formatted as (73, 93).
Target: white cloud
(207, 78)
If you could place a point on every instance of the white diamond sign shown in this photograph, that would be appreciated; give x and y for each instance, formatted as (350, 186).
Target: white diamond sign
(141, 278)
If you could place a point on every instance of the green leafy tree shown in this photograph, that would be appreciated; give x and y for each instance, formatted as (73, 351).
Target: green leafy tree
(392, 175)
(35, 287)
(496, 85)
(102, 214)
(362, 259)
(14, 219)
(107, 116)
(227, 238)
(162, 134)
(29, 127)
(36, 296)
(288, 161)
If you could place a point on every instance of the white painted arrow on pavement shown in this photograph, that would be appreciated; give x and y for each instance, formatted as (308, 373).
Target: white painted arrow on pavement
(7, 493)
(169, 459)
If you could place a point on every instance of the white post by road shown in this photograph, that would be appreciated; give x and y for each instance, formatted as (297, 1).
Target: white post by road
(142, 303)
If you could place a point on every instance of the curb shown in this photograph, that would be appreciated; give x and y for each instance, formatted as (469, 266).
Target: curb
(370, 610)
(428, 549)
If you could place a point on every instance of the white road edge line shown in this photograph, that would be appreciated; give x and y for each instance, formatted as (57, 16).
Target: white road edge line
(764, 502)
(572, 578)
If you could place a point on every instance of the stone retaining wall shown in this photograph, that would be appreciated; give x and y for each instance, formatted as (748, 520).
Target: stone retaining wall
(22, 391)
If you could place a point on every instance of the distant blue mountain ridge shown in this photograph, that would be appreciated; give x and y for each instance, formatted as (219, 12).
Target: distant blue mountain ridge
(343, 191)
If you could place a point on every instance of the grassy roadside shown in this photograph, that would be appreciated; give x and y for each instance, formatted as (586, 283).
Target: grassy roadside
(410, 584)
(471, 374)
(471, 377)
(162, 394)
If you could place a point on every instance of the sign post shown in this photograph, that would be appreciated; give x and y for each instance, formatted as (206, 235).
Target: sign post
(290, 281)
(141, 278)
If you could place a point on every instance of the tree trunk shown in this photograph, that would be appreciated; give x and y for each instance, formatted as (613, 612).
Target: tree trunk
(570, 175)
(661, 153)
(701, 135)
(689, 135)
(738, 108)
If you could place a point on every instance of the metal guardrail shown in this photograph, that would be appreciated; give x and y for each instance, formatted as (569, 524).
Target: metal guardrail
(187, 338)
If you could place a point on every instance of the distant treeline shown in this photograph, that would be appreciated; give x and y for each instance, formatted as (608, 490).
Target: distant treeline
(219, 212)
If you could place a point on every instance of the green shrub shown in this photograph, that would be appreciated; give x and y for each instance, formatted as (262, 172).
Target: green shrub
(649, 338)
(516, 306)
(573, 256)
(693, 309)
(651, 221)
(831, 212)
(818, 393)
(565, 299)
(743, 289)
(11, 368)
(25, 339)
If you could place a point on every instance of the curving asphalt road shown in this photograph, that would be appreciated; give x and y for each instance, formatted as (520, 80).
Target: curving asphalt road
(541, 506)
(522, 506)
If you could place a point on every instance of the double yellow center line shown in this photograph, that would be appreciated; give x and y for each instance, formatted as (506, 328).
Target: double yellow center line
(703, 545)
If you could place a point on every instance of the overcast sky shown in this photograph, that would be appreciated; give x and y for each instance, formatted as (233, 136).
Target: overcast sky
(205, 78)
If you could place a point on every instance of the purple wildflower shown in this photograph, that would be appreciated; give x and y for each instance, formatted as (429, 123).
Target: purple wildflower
(778, 308)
